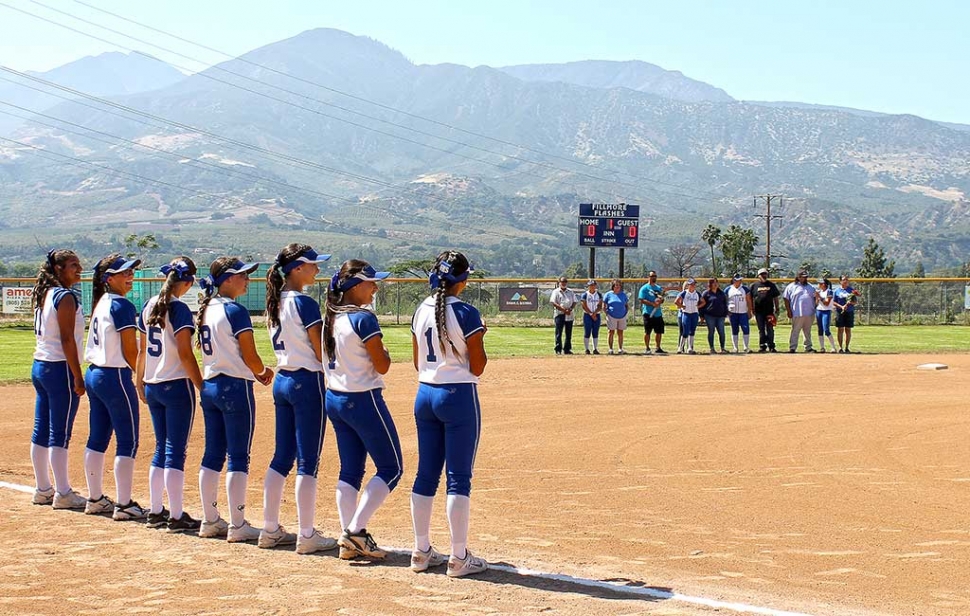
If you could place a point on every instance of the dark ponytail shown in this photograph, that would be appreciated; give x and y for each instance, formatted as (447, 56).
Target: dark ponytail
(448, 265)
(335, 303)
(275, 280)
(47, 278)
(98, 285)
(218, 268)
(178, 271)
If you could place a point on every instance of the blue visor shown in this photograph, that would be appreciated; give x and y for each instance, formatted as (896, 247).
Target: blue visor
(237, 268)
(121, 264)
(368, 274)
(310, 256)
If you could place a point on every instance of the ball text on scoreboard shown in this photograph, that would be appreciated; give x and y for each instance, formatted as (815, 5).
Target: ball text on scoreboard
(609, 225)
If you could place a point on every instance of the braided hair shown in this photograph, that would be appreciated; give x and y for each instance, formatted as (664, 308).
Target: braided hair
(98, 284)
(449, 265)
(275, 280)
(218, 268)
(335, 303)
(181, 269)
(47, 277)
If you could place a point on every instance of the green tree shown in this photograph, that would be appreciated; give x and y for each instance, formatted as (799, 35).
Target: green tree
(3, 269)
(918, 271)
(412, 268)
(737, 246)
(712, 235)
(883, 298)
(140, 245)
(575, 270)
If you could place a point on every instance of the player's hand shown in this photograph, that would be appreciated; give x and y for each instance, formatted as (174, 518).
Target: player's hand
(266, 376)
(485, 327)
(79, 388)
(140, 388)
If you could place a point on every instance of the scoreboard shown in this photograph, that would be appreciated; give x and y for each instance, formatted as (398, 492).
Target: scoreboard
(609, 225)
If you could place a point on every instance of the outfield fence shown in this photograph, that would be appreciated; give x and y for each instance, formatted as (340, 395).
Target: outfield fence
(516, 301)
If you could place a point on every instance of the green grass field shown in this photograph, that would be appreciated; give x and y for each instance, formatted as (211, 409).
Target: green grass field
(17, 343)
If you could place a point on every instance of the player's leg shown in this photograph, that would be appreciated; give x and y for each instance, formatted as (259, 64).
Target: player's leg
(39, 439)
(99, 437)
(154, 397)
(431, 461)
(285, 386)
(213, 460)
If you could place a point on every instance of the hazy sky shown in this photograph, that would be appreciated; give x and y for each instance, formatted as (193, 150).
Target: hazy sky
(898, 56)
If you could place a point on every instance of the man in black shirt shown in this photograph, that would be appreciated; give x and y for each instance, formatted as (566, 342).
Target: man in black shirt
(765, 295)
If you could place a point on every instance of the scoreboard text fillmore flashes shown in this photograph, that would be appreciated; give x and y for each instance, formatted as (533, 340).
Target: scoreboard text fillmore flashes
(609, 225)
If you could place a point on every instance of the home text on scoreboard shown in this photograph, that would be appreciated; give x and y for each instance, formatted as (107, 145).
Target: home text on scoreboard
(609, 225)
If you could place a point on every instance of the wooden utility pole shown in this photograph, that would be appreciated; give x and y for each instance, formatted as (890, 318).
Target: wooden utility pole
(768, 217)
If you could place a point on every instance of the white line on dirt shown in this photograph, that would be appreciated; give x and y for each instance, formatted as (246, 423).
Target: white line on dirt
(640, 591)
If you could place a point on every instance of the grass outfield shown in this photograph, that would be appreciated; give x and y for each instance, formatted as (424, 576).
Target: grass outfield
(17, 344)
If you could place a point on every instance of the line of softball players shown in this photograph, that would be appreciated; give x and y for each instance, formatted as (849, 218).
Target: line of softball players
(330, 363)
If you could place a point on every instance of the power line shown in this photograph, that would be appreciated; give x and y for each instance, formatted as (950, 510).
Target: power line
(377, 104)
(320, 113)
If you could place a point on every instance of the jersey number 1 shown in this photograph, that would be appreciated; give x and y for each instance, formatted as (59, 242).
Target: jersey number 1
(429, 336)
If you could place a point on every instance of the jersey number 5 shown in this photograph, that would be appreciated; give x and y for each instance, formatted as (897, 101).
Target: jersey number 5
(154, 342)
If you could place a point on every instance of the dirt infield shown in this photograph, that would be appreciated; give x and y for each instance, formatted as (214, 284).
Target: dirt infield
(818, 484)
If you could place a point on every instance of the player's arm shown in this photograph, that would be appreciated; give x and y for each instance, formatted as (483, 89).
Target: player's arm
(66, 312)
(140, 366)
(477, 359)
(316, 340)
(378, 354)
(129, 347)
(183, 344)
(247, 349)
(414, 350)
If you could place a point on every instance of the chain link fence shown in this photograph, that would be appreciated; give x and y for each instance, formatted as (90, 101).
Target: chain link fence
(905, 301)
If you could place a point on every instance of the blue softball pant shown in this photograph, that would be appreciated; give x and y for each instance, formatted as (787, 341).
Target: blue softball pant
(739, 322)
(449, 422)
(172, 407)
(56, 404)
(114, 408)
(591, 326)
(300, 424)
(362, 425)
(823, 319)
(689, 322)
(229, 413)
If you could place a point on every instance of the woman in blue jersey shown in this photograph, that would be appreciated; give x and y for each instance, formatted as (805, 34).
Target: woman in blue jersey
(112, 351)
(447, 339)
(230, 364)
(294, 323)
(354, 359)
(56, 376)
(167, 377)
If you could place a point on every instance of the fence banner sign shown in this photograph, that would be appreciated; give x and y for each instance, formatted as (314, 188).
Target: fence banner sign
(966, 297)
(519, 299)
(192, 297)
(16, 300)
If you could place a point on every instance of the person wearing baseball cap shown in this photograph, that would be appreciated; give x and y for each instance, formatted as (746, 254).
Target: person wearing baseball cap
(764, 297)
(592, 303)
(690, 303)
(799, 299)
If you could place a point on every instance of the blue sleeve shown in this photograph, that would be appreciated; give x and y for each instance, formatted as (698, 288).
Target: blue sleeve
(180, 316)
(309, 311)
(469, 319)
(141, 320)
(60, 293)
(682, 295)
(365, 325)
(238, 318)
(123, 314)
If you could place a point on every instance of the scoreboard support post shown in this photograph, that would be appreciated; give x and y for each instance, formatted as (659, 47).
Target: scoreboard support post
(592, 262)
(622, 261)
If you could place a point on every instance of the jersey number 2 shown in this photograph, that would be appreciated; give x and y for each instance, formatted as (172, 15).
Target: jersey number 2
(277, 343)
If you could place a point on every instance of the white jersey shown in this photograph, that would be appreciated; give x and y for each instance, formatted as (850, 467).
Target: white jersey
(298, 313)
(822, 295)
(437, 366)
(737, 299)
(690, 301)
(352, 369)
(162, 361)
(113, 315)
(225, 319)
(49, 332)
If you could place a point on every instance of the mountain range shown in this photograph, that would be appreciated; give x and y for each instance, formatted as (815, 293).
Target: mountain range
(344, 137)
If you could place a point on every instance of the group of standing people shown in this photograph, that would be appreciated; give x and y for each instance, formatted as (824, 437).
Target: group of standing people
(715, 307)
(330, 364)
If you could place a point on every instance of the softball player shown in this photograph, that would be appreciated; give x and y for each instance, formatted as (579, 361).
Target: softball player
(355, 360)
(592, 302)
(448, 351)
(690, 302)
(294, 323)
(740, 309)
(56, 376)
(112, 351)
(167, 378)
(823, 313)
(230, 365)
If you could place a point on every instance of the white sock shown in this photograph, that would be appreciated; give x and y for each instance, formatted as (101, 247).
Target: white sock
(306, 503)
(747, 340)
(690, 343)
(156, 488)
(821, 342)
(596, 342)
(586, 343)
(831, 342)
(58, 461)
(236, 493)
(175, 486)
(375, 493)
(734, 341)
(209, 491)
(458, 510)
(346, 503)
(421, 520)
(272, 497)
(40, 459)
(680, 343)
(94, 473)
(124, 473)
